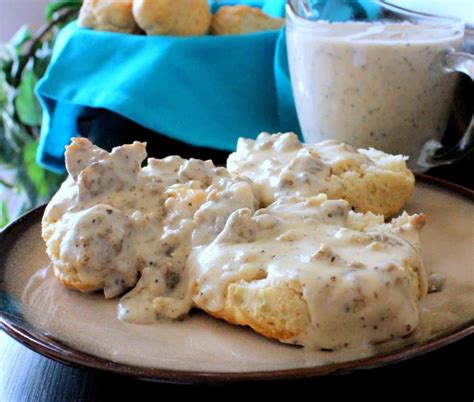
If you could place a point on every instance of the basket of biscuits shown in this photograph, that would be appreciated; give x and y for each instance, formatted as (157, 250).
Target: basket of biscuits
(187, 69)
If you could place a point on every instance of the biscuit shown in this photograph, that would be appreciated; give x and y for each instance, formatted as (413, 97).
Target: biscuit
(241, 19)
(108, 15)
(179, 233)
(173, 17)
(280, 166)
(309, 271)
(114, 224)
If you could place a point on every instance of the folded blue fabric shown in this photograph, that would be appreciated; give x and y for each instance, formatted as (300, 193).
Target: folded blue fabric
(206, 91)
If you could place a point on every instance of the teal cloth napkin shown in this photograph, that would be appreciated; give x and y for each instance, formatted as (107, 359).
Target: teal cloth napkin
(206, 91)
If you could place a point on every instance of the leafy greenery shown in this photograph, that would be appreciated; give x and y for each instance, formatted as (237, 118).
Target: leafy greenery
(26, 105)
(4, 218)
(23, 61)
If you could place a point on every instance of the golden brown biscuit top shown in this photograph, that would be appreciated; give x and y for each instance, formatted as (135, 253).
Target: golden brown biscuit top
(242, 19)
(108, 15)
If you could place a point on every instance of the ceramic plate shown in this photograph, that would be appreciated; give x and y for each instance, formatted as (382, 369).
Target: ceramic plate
(82, 329)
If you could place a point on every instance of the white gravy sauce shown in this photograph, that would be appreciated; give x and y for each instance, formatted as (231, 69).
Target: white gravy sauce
(377, 84)
(361, 278)
(113, 223)
(89, 323)
(280, 165)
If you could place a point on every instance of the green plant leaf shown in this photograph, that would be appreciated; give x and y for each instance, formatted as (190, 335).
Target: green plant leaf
(4, 215)
(40, 64)
(55, 6)
(5, 52)
(35, 173)
(25, 186)
(16, 136)
(26, 104)
(22, 36)
(3, 92)
(20, 112)
(54, 181)
(8, 59)
(7, 152)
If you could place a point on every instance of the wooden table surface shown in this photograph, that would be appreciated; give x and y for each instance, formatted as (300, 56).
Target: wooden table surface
(28, 376)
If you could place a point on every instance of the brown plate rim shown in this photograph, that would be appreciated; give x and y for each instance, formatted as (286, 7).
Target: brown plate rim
(54, 349)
